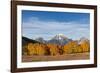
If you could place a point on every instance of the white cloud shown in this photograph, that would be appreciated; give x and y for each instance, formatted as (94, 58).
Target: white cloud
(35, 28)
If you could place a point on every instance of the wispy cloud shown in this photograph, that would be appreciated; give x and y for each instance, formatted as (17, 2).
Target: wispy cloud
(34, 27)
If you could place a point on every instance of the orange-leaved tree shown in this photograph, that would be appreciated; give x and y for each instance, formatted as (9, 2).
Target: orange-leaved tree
(72, 47)
(54, 49)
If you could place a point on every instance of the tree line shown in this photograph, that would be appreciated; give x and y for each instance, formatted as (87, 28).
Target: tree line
(54, 49)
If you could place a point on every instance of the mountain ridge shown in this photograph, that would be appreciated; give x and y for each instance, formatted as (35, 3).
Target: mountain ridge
(59, 39)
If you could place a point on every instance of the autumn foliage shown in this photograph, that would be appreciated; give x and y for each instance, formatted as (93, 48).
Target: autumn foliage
(72, 47)
(54, 49)
(37, 49)
(85, 46)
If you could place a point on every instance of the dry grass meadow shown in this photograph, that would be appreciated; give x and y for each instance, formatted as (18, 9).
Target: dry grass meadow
(78, 56)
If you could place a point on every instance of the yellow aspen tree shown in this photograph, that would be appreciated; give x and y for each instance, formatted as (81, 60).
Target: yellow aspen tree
(54, 50)
(32, 49)
(86, 46)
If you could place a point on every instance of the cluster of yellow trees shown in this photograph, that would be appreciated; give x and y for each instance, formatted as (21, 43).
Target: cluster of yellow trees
(54, 49)
(73, 47)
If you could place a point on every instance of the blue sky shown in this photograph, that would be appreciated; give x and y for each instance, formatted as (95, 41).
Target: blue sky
(48, 24)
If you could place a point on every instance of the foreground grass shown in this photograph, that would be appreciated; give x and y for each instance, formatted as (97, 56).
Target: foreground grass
(76, 56)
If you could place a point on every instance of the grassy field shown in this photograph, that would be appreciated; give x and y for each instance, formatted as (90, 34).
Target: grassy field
(78, 56)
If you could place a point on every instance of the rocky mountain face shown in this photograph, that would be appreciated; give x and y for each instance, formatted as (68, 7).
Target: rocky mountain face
(82, 40)
(59, 39)
(40, 39)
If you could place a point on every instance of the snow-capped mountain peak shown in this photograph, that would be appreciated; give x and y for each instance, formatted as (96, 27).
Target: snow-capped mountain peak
(59, 37)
